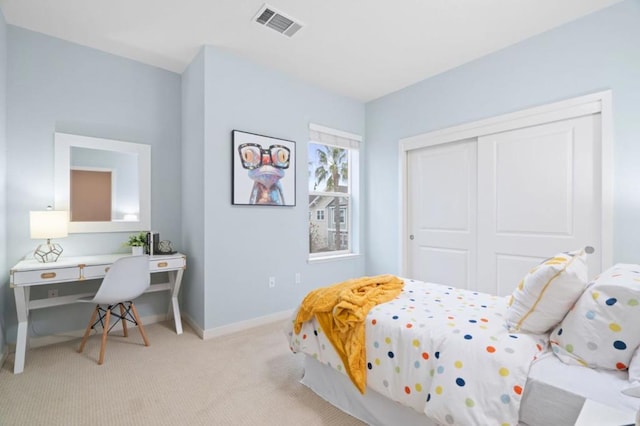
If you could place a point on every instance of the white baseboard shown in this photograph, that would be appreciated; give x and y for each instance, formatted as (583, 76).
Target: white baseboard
(4, 355)
(196, 328)
(38, 341)
(245, 325)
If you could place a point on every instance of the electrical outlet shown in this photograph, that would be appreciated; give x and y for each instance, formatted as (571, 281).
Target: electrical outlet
(272, 282)
(298, 278)
(52, 292)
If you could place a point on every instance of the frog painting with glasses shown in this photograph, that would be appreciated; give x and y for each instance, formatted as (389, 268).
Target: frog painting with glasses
(266, 167)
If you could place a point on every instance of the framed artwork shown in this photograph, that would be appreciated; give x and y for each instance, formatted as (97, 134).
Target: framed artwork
(264, 170)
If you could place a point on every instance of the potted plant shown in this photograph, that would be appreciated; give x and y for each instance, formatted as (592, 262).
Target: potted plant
(137, 243)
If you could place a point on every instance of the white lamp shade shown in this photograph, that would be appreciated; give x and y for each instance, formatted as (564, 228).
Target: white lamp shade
(49, 224)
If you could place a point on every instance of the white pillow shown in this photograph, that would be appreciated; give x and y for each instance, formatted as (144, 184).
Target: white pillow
(603, 329)
(547, 292)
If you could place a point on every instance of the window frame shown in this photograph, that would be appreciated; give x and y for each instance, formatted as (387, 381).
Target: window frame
(349, 218)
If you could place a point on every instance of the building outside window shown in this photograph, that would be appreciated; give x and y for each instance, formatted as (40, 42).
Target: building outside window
(333, 157)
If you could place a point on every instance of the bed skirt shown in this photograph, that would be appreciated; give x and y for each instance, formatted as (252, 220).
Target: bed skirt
(542, 403)
(372, 408)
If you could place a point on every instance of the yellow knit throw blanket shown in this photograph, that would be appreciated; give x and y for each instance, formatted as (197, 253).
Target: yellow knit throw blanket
(341, 310)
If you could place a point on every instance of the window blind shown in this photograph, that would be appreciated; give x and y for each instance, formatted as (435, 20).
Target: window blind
(328, 136)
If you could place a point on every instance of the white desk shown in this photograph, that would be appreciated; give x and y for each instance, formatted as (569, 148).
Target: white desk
(29, 273)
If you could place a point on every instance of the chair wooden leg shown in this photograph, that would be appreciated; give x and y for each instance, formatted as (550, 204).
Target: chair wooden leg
(88, 330)
(123, 320)
(140, 327)
(103, 346)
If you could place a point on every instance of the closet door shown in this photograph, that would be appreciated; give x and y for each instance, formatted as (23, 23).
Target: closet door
(539, 193)
(442, 192)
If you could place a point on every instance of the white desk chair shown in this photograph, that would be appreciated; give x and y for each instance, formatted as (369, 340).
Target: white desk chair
(125, 280)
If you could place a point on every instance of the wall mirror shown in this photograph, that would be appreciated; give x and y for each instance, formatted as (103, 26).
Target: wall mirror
(105, 184)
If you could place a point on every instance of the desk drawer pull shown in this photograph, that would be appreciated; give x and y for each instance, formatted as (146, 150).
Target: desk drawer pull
(162, 264)
(47, 275)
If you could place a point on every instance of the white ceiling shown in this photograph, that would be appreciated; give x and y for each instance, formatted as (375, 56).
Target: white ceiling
(362, 49)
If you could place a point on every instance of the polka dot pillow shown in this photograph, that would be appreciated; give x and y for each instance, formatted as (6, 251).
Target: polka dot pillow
(547, 292)
(603, 329)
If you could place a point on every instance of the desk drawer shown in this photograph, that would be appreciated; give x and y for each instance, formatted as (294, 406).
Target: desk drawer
(43, 276)
(168, 264)
(90, 272)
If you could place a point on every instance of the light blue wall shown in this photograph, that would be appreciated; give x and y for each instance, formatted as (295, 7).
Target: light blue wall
(59, 86)
(244, 245)
(598, 52)
(193, 189)
(54, 85)
(4, 276)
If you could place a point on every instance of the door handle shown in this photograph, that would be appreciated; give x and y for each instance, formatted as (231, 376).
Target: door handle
(411, 237)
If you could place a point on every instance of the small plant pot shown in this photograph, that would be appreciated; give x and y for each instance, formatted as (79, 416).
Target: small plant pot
(137, 250)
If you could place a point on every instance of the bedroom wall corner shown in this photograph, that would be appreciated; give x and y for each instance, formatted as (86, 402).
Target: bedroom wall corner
(4, 276)
(193, 223)
(244, 245)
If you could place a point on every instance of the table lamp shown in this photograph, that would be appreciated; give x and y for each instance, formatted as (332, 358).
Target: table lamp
(48, 224)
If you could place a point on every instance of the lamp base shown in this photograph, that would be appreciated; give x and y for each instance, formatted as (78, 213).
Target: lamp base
(49, 252)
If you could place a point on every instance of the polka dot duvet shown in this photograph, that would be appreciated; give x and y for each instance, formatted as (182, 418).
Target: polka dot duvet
(443, 351)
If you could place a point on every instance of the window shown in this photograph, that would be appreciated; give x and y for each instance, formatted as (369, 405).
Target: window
(341, 215)
(333, 174)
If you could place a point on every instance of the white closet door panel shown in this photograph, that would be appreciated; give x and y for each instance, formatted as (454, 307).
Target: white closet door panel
(534, 187)
(442, 214)
(444, 266)
(533, 190)
(510, 270)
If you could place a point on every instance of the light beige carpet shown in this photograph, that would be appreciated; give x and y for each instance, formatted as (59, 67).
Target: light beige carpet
(248, 378)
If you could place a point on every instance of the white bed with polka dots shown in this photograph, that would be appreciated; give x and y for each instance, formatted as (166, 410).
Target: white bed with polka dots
(442, 351)
(442, 355)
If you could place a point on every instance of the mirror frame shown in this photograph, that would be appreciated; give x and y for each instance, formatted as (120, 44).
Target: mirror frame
(62, 171)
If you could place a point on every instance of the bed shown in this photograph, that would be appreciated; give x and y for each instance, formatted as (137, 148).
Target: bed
(435, 354)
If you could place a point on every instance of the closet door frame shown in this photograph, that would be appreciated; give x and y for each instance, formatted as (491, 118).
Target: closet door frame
(595, 103)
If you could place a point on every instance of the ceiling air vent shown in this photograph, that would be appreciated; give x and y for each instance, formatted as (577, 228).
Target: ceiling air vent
(275, 20)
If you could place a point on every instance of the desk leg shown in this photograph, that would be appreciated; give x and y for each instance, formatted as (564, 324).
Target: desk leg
(22, 308)
(175, 280)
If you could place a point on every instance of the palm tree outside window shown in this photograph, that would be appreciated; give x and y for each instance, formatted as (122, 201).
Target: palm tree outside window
(330, 166)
